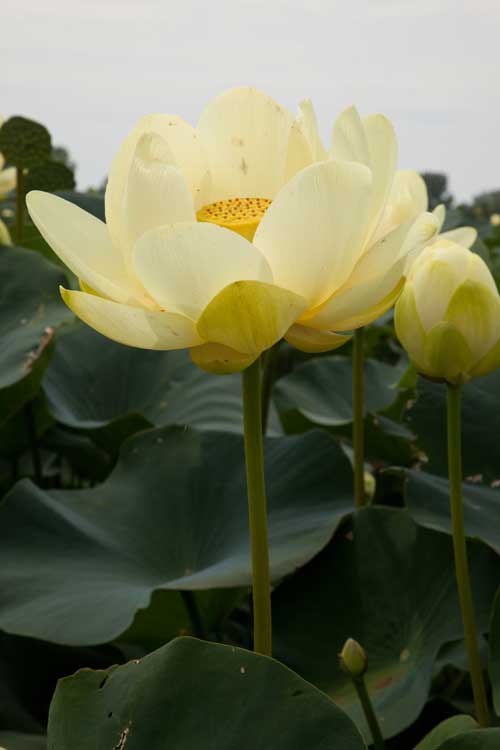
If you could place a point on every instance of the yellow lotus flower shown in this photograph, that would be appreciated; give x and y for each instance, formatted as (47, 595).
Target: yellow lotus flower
(448, 316)
(7, 176)
(226, 237)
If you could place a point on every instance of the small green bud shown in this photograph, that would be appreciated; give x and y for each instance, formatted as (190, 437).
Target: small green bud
(353, 659)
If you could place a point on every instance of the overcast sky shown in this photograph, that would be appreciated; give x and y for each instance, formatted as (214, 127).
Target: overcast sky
(88, 69)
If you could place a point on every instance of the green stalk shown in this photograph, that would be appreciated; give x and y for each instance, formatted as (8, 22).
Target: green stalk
(19, 205)
(269, 364)
(369, 712)
(460, 551)
(191, 605)
(257, 508)
(358, 429)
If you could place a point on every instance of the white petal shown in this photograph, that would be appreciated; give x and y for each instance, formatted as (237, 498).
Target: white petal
(465, 236)
(155, 193)
(349, 139)
(383, 150)
(407, 199)
(361, 303)
(182, 149)
(184, 267)
(313, 232)
(83, 244)
(245, 135)
(308, 123)
(133, 326)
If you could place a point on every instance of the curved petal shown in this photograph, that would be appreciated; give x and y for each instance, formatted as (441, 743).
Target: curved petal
(220, 360)
(308, 123)
(488, 363)
(313, 341)
(83, 244)
(184, 266)
(181, 149)
(440, 214)
(245, 135)
(299, 154)
(349, 141)
(184, 149)
(155, 194)
(370, 141)
(133, 326)
(465, 236)
(361, 304)
(8, 180)
(250, 316)
(447, 353)
(409, 329)
(407, 199)
(383, 150)
(5, 238)
(474, 310)
(313, 232)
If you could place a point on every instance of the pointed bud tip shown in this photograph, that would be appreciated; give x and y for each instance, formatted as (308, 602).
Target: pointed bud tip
(353, 658)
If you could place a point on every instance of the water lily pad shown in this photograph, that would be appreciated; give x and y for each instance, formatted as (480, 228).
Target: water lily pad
(76, 565)
(112, 390)
(319, 392)
(390, 584)
(428, 500)
(30, 310)
(480, 420)
(190, 695)
(446, 729)
(479, 739)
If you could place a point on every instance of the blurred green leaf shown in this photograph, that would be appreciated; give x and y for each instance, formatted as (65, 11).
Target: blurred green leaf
(30, 311)
(189, 695)
(389, 584)
(479, 739)
(75, 566)
(428, 500)
(495, 653)
(480, 421)
(448, 728)
(49, 176)
(17, 741)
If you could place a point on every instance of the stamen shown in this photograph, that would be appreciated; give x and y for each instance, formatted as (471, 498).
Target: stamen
(242, 215)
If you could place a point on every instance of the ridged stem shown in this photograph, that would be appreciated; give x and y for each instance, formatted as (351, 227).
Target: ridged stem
(358, 428)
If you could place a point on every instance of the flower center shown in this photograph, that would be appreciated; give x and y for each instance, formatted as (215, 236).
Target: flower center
(242, 215)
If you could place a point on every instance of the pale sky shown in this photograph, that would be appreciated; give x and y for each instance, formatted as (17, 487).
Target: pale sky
(88, 69)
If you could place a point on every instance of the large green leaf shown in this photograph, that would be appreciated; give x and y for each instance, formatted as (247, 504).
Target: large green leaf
(30, 309)
(75, 565)
(479, 739)
(480, 420)
(428, 500)
(114, 390)
(190, 695)
(495, 653)
(17, 741)
(319, 392)
(446, 729)
(390, 584)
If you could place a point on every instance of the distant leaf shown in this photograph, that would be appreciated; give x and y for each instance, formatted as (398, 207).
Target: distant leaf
(389, 584)
(448, 728)
(24, 143)
(495, 653)
(17, 741)
(49, 176)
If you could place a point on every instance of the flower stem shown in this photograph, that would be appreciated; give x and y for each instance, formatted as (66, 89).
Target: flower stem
(269, 363)
(257, 510)
(460, 551)
(368, 710)
(358, 428)
(19, 205)
(191, 605)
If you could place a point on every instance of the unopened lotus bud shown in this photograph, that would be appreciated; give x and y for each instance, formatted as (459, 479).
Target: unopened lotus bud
(353, 659)
(448, 316)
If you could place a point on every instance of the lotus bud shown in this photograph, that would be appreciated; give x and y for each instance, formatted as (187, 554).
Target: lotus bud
(353, 659)
(448, 316)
